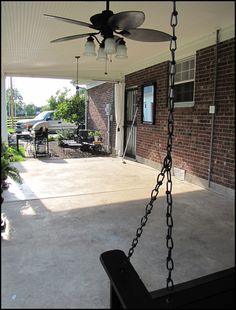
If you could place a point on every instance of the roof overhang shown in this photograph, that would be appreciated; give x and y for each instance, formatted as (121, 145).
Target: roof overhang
(26, 36)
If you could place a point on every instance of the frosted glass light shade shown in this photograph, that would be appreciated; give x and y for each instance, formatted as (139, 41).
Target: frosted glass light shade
(121, 51)
(110, 46)
(89, 48)
(102, 56)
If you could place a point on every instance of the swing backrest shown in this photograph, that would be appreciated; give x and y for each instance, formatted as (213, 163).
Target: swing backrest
(214, 291)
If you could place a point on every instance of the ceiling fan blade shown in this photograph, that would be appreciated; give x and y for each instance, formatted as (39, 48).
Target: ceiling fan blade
(72, 21)
(126, 20)
(76, 36)
(145, 35)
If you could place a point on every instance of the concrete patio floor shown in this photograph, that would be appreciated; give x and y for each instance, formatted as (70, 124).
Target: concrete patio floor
(67, 212)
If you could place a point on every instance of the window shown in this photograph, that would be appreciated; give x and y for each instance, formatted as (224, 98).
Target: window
(148, 103)
(184, 83)
(50, 116)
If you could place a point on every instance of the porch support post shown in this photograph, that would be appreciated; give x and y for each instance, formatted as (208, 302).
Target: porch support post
(4, 135)
(119, 114)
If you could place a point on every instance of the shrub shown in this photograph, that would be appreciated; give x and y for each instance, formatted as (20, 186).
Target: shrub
(93, 133)
(65, 134)
(7, 170)
(52, 137)
(16, 155)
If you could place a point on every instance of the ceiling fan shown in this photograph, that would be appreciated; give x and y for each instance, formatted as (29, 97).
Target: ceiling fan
(112, 28)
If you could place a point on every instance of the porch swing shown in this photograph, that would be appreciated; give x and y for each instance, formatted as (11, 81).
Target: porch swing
(127, 291)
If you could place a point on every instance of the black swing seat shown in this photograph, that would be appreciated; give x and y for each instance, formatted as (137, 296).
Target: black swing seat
(214, 291)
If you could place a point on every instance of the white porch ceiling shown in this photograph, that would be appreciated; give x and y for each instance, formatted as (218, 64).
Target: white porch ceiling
(26, 35)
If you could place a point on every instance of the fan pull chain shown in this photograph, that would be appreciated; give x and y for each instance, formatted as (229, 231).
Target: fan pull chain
(166, 166)
(106, 66)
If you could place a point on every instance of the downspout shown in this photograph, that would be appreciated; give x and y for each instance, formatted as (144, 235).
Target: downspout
(212, 108)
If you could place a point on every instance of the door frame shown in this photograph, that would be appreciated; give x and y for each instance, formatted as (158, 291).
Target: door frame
(128, 123)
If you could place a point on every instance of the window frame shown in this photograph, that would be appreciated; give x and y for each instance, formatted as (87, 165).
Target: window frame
(187, 103)
(153, 84)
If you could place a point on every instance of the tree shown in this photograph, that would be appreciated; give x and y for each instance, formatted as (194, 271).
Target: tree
(30, 109)
(53, 102)
(17, 101)
(72, 110)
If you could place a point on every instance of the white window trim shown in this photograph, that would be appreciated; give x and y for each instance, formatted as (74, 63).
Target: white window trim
(186, 81)
(187, 104)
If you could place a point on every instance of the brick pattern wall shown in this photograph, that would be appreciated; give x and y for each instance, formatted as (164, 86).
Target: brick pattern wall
(98, 97)
(192, 130)
(223, 166)
(113, 128)
(150, 138)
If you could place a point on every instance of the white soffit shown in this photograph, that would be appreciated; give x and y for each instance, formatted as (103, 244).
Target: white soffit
(26, 35)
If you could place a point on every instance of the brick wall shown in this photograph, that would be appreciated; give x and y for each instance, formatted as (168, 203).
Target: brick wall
(98, 97)
(150, 138)
(192, 131)
(223, 166)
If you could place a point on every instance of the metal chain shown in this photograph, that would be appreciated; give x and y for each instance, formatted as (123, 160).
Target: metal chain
(166, 167)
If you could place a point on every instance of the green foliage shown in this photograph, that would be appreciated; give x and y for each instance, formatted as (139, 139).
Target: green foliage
(95, 133)
(52, 138)
(16, 155)
(11, 130)
(7, 170)
(30, 109)
(65, 134)
(17, 100)
(4, 148)
(60, 97)
(12, 154)
(72, 110)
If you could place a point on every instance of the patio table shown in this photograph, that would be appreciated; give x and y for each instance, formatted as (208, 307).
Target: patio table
(22, 136)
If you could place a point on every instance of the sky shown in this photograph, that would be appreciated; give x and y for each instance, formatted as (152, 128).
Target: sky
(39, 90)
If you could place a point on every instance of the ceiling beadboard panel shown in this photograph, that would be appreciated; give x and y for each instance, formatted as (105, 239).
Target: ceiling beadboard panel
(26, 34)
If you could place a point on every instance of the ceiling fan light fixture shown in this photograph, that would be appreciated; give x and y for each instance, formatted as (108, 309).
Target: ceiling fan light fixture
(106, 24)
(110, 46)
(121, 50)
(89, 48)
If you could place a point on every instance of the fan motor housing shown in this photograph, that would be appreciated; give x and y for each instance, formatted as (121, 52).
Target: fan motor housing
(100, 21)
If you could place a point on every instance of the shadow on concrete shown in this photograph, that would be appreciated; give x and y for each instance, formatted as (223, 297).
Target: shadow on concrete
(52, 257)
(52, 160)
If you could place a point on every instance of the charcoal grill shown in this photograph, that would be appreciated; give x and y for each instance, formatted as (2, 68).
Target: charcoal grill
(39, 139)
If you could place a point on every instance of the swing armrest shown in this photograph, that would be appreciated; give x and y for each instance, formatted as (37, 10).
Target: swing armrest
(128, 287)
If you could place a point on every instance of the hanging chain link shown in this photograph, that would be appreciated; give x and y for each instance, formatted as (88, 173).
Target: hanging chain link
(166, 167)
(169, 218)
